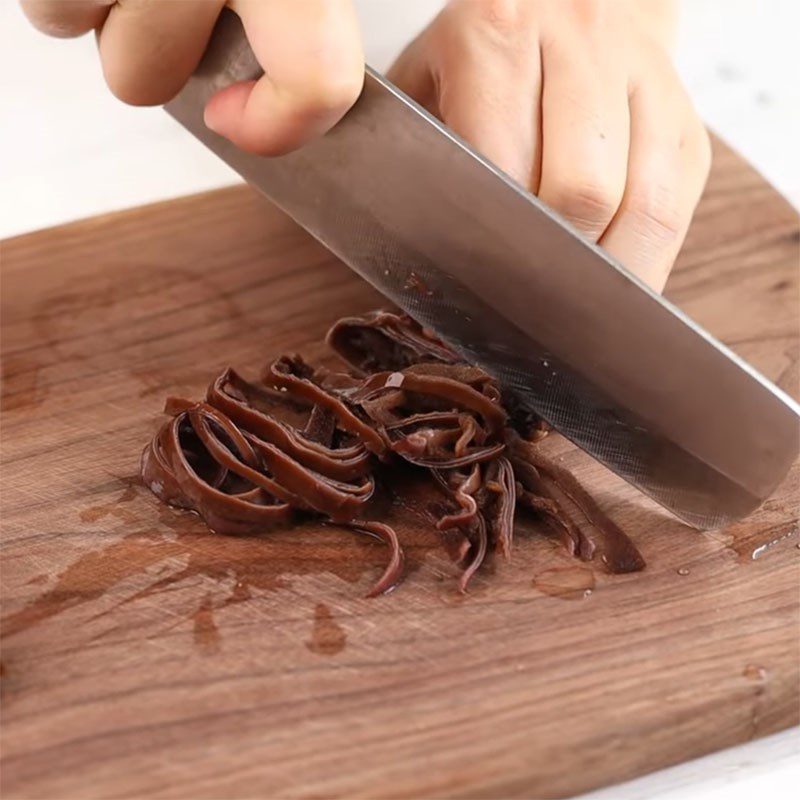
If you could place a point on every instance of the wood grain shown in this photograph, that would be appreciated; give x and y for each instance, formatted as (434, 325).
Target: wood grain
(144, 656)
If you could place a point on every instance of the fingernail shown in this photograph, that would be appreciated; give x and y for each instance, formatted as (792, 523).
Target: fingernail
(212, 120)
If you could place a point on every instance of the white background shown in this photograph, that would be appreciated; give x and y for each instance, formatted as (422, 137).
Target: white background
(68, 149)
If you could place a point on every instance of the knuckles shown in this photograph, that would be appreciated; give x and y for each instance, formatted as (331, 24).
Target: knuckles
(588, 201)
(659, 209)
(328, 93)
(498, 20)
(307, 108)
(591, 15)
(659, 213)
(327, 78)
(131, 86)
(502, 16)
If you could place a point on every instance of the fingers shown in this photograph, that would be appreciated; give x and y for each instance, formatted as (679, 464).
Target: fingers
(486, 81)
(314, 70)
(668, 164)
(412, 73)
(606, 138)
(66, 18)
(149, 48)
(585, 134)
(310, 51)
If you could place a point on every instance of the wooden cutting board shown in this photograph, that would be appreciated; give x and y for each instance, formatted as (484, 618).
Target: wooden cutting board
(143, 656)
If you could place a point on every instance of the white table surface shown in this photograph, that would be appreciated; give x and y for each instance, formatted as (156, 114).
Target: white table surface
(68, 150)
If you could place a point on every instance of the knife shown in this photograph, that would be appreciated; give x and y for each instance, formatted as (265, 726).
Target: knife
(514, 288)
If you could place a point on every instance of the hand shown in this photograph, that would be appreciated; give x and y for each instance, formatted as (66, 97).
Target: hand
(310, 50)
(578, 101)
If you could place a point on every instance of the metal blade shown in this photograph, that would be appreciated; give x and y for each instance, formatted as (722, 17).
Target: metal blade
(464, 250)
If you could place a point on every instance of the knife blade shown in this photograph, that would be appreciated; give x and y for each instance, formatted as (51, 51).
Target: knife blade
(514, 288)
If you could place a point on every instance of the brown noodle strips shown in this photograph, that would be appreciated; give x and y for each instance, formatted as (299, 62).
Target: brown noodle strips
(303, 440)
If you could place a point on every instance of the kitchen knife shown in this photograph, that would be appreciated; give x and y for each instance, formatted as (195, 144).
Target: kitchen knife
(514, 288)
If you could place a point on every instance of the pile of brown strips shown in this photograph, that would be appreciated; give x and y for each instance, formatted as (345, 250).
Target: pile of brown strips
(255, 455)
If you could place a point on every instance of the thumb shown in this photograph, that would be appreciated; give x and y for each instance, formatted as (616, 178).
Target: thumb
(313, 65)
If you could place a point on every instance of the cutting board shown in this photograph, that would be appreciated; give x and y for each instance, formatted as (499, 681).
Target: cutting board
(143, 656)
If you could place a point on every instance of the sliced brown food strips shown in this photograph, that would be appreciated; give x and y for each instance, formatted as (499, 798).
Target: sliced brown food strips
(446, 389)
(468, 518)
(382, 340)
(307, 440)
(393, 573)
(618, 552)
(441, 439)
(292, 375)
(500, 501)
(343, 463)
(167, 462)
